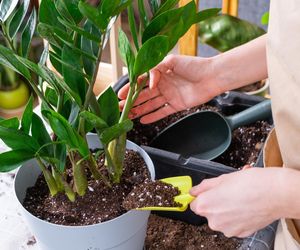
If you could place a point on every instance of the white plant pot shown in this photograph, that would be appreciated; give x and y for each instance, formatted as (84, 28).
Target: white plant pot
(126, 232)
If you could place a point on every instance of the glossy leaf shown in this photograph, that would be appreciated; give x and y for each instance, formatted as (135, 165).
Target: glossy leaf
(82, 32)
(27, 116)
(92, 14)
(17, 19)
(205, 14)
(167, 5)
(12, 123)
(16, 139)
(142, 12)
(115, 131)
(48, 14)
(75, 80)
(94, 120)
(109, 107)
(6, 8)
(173, 23)
(150, 54)
(88, 45)
(153, 5)
(63, 10)
(47, 33)
(13, 159)
(65, 132)
(40, 133)
(28, 34)
(132, 25)
(9, 59)
(126, 52)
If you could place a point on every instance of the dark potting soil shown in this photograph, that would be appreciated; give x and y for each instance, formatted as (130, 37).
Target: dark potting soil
(252, 87)
(99, 204)
(167, 234)
(152, 194)
(246, 144)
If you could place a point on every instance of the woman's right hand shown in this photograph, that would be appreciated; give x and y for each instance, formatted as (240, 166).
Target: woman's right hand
(177, 83)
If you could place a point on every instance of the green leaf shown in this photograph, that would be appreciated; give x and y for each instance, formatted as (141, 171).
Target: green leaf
(167, 5)
(82, 32)
(121, 7)
(27, 116)
(115, 131)
(48, 14)
(88, 46)
(150, 54)
(47, 33)
(13, 159)
(16, 139)
(6, 8)
(40, 133)
(92, 14)
(143, 15)
(173, 23)
(205, 14)
(65, 132)
(94, 120)
(132, 25)
(9, 59)
(154, 6)
(51, 78)
(75, 80)
(63, 10)
(126, 52)
(17, 19)
(12, 123)
(109, 107)
(61, 154)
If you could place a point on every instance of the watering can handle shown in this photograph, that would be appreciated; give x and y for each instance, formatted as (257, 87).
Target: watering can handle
(257, 112)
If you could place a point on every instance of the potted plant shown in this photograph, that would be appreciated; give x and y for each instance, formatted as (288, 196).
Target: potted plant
(77, 166)
(224, 32)
(17, 28)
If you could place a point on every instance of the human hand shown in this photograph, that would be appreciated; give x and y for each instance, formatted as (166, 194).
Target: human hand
(240, 203)
(177, 83)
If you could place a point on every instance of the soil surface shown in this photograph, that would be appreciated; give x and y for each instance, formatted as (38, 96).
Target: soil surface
(246, 144)
(167, 234)
(245, 147)
(252, 87)
(99, 204)
(152, 194)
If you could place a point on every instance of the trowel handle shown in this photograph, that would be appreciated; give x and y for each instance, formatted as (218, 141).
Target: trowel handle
(257, 112)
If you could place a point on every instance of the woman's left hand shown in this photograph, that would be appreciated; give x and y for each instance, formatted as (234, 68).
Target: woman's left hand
(240, 203)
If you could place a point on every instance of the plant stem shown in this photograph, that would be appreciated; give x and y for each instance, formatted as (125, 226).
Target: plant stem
(80, 179)
(48, 177)
(96, 174)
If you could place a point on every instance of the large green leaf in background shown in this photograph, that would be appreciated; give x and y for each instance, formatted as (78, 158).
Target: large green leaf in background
(225, 32)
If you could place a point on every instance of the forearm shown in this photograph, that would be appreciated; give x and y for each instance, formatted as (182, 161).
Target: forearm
(241, 66)
(289, 193)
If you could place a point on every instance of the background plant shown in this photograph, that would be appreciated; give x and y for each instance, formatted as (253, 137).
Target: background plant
(17, 28)
(76, 33)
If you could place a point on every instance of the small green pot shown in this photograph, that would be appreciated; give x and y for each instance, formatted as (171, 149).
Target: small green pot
(15, 98)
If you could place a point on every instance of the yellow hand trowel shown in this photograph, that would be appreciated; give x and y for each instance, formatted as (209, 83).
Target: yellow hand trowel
(184, 184)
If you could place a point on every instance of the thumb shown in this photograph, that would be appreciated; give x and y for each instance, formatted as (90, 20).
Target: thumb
(204, 186)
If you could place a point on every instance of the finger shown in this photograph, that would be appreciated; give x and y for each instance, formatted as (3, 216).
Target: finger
(142, 78)
(123, 92)
(246, 167)
(154, 78)
(204, 186)
(158, 114)
(147, 107)
(146, 95)
(122, 104)
(197, 206)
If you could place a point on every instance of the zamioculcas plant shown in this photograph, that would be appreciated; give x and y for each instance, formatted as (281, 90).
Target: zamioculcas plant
(76, 33)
